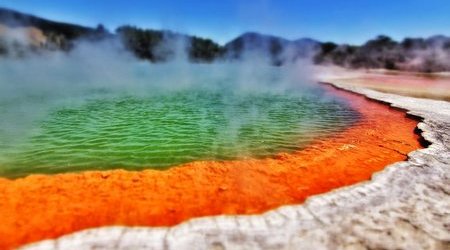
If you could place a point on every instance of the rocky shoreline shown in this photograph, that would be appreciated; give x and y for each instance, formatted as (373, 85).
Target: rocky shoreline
(405, 206)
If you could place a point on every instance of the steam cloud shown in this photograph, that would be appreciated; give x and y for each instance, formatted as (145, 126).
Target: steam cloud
(33, 85)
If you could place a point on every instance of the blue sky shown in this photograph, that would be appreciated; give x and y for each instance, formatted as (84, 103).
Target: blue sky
(350, 21)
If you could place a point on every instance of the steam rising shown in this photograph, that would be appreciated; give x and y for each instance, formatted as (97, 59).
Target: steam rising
(98, 106)
(436, 55)
(33, 85)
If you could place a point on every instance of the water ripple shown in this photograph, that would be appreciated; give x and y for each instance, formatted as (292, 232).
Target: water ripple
(165, 130)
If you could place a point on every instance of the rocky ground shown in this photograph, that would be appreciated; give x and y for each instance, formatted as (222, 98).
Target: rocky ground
(405, 206)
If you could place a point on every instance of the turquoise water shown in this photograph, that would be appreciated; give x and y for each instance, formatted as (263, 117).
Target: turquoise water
(158, 129)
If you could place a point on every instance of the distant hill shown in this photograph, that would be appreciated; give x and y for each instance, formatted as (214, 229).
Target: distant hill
(144, 43)
(412, 54)
(14, 18)
(58, 35)
(277, 49)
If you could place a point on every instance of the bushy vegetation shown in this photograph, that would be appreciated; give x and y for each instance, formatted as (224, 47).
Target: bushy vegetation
(202, 49)
(157, 45)
(142, 42)
(412, 54)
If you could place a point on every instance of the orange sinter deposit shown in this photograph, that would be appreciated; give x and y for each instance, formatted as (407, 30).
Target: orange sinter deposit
(47, 206)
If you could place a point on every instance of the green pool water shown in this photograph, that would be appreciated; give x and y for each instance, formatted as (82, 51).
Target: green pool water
(159, 129)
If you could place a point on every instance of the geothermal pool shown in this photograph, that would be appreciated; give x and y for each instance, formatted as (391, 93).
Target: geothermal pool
(218, 117)
(336, 139)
